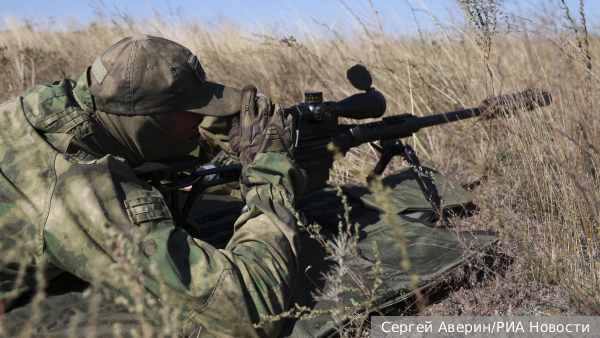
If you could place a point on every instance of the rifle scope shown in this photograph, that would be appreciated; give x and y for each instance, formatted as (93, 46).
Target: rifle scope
(358, 106)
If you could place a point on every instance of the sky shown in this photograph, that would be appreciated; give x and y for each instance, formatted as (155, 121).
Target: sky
(394, 14)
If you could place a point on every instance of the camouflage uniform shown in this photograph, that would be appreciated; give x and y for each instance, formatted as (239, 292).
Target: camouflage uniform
(65, 205)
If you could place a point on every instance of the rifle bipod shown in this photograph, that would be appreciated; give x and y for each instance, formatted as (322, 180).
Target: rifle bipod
(391, 148)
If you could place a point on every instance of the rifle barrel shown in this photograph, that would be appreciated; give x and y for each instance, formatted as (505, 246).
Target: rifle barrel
(404, 125)
(457, 115)
(400, 126)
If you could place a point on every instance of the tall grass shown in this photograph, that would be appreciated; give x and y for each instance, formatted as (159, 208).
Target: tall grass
(538, 171)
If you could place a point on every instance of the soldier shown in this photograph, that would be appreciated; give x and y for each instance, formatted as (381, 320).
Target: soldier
(69, 200)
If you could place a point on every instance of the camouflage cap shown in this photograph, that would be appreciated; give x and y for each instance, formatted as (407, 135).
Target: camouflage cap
(145, 75)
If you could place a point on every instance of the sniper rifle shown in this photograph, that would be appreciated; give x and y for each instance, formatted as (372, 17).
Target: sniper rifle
(318, 126)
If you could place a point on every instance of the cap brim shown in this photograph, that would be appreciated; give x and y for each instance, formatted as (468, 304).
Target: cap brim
(216, 100)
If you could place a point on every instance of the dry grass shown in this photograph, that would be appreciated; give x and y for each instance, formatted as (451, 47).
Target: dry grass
(539, 182)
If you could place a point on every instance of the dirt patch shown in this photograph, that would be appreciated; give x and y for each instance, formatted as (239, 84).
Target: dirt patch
(497, 285)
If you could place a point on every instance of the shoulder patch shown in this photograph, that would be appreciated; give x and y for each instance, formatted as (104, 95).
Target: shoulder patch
(147, 208)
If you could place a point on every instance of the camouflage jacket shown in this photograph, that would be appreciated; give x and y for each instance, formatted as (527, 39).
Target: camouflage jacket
(67, 206)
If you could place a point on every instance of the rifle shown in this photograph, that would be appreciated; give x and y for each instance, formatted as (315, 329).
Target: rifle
(318, 126)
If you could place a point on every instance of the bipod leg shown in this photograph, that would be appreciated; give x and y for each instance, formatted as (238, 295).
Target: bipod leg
(386, 156)
(391, 148)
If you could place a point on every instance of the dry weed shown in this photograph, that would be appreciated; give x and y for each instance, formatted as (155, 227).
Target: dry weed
(539, 185)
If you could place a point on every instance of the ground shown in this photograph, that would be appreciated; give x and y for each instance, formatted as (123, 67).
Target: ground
(500, 289)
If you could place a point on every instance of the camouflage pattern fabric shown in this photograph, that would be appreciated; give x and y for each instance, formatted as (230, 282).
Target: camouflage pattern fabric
(93, 218)
(146, 75)
(141, 139)
(214, 149)
(433, 252)
(211, 145)
(217, 126)
(261, 127)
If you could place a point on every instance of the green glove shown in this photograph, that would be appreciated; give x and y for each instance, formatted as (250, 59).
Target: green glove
(261, 128)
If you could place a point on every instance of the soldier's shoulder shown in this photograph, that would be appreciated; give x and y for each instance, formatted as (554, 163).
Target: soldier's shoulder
(44, 105)
(45, 99)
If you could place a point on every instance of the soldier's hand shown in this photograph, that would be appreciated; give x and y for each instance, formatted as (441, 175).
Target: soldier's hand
(261, 127)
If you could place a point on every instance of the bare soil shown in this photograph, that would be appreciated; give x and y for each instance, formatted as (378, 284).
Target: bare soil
(497, 285)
